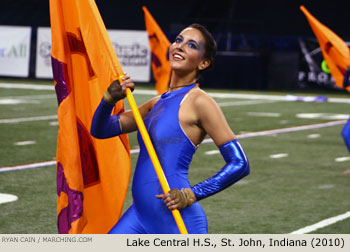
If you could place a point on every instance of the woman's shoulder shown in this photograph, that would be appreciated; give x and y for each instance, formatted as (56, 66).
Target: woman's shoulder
(201, 98)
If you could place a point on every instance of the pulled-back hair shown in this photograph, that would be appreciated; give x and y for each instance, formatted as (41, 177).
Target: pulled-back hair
(210, 44)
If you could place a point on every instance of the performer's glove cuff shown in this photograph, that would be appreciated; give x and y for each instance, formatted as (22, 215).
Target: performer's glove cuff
(107, 97)
(183, 198)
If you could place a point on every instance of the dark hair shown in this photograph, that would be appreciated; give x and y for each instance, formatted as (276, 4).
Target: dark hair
(210, 44)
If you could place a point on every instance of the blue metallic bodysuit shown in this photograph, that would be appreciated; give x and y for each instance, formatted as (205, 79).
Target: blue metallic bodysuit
(148, 214)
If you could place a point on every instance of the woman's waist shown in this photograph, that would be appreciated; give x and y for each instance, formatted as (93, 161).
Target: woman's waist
(150, 180)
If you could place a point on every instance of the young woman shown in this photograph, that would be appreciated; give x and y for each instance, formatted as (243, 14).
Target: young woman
(177, 122)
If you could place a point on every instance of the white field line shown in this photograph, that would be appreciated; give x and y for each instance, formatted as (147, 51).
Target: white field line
(32, 97)
(23, 143)
(247, 96)
(40, 164)
(154, 93)
(279, 155)
(285, 130)
(241, 136)
(240, 103)
(27, 86)
(323, 223)
(264, 114)
(27, 166)
(342, 159)
(6, 198)
(28, 119)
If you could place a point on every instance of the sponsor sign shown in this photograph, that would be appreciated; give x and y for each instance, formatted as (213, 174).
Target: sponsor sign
(313, 70)
(132, 48)
(14, 51)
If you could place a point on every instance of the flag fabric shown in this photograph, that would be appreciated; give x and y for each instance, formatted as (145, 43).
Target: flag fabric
(159, 45)
(334, 49)
(346, 134)
(92, 174)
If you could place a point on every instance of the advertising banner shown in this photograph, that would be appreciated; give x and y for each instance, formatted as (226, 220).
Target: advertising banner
(43, 53)
(313, 70)
(14, 51)
(132, 48)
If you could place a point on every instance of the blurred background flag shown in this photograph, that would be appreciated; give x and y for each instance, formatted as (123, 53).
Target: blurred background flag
(334, 49)
(159, 45)
(92, 174)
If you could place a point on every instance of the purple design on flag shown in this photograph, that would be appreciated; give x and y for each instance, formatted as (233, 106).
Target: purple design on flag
(155, 60)
(74, 209)
(59, 70)
(77, 45)
(89, 164)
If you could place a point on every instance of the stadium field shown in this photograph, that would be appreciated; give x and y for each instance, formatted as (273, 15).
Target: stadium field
(300, 167)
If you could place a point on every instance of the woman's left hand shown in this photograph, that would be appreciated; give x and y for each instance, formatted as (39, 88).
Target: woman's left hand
(168, 201)
(178, 199)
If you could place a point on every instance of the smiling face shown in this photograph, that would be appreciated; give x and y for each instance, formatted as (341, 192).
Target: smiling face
(186, 53)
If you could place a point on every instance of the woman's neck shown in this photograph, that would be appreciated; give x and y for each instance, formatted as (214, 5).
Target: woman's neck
(177, 81)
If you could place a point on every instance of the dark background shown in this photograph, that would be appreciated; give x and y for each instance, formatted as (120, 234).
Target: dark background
(238, 16)
(257, 40)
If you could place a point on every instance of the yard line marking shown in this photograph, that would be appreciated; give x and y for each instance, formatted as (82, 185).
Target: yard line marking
(325, 116)
(154, 92)
(239, 103)
(342, 159)
(27, 86)
(312, 136)
(264, 114)
(31, 97)
(41, 164)
(5, 198)
(268, 97)
(279, 155)
(11, 101)
(25, 99)
(27, 166)
(328, 186)
(212, 152)
(284, 130)
(28, 119)
(24, 143)
(322, 224)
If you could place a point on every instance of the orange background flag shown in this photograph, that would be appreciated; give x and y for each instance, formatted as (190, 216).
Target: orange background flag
(159, 45)
(92, 174)
(334, 49)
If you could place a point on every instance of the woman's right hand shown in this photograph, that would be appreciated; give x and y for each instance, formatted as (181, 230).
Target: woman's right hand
(117, 91)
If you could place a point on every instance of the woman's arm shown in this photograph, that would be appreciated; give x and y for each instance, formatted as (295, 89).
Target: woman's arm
(213, 121)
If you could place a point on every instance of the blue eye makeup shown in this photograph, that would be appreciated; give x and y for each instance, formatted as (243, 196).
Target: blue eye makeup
(191, 43)
(179, 39)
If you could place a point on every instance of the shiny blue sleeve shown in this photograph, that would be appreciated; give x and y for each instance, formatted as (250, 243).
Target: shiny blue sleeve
(237, 167)
(105, 125)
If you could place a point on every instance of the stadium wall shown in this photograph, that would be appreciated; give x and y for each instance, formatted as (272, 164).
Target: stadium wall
(243, 61)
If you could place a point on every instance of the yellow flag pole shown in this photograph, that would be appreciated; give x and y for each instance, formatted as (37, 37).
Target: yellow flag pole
(153, 156)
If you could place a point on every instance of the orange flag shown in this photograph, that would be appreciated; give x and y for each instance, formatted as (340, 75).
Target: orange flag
(334, 49)
(159, 44)
(92, 174)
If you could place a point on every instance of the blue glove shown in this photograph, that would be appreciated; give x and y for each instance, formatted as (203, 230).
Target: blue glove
(237, 167)
(104, 125)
